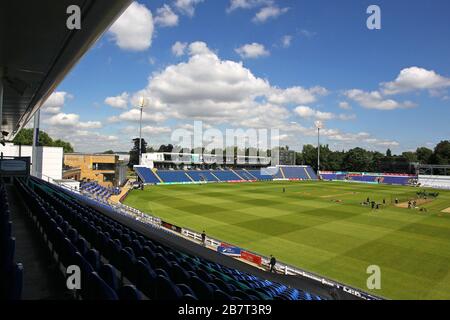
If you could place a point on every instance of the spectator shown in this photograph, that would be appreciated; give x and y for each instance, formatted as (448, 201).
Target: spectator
(272, 263)
(204, 238)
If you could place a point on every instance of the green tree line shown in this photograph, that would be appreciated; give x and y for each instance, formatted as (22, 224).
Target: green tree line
(361, 160)
(25, 138)
(353, 160)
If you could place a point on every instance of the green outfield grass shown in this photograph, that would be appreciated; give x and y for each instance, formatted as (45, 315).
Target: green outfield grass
(307, 228)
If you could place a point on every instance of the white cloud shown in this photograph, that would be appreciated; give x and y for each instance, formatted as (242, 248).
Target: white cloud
(156, 130)
(252, 50)
(357, 138)
(307, 112)
(217, 91)
(307, 33)
(71, 120)
(134, 115)
(345, 105)
(375, 100)
(270, 12)
(165, 17)
(415, 78)
(247, 4)
(199, 48)
(286, 41)
(134, 28)
(187, 7)
(55, 102)
(296, 95)
(346, 117)
(120, 102)
(97, 142)
(179, 48)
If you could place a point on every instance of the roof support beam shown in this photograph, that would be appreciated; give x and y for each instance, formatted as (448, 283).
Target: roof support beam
(1, 95)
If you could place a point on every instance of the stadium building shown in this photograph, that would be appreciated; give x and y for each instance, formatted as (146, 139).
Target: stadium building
(105, 169)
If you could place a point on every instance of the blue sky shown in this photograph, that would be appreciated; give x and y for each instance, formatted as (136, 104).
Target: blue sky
(263, 64)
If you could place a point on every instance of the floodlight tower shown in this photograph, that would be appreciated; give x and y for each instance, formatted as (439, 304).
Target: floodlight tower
(141, 106)
(319, 125)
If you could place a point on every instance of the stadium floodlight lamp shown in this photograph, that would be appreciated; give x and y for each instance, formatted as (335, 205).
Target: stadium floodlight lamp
(142, 101)
(141, 106)
(319, 125)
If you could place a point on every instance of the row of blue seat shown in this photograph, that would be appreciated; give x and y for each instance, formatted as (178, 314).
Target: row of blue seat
(156, 271)
(385, 179)
(99, 191)
(187, 176)
(11, 273)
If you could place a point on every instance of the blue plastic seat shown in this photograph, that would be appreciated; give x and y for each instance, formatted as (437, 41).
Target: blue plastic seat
(185, 289)
(201, 289)
(109, 274)
(166, 290)
(127, 263)
(219, 295)
(15, 282)
(162, 262)
(137, 248)
(146, 279)
(129, 293)
(98, 289)
(179, 275)
(93, 258)
(82, 246)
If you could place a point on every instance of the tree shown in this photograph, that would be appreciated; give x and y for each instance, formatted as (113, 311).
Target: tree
(411, 156)
(164, 148)
(134, 153)
(67, 147)
(442, 153)
(310, 156)
(388, 153)
(109, 152)
(424, 155)
(25, 138)
(358, 160)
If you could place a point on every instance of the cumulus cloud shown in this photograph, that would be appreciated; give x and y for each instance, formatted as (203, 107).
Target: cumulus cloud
(208, 88)
(134, 115)
(247, 4)
(98, 142)
(357, 138)
(165, 17)
(270, 12)
(199, 48)
(252, 50)
(156, 130)
(415, 78)
(286, 41)
(307, 112)
(307, 33)
(120, 102)
(55, 102)
(71, 120)
(296, 95)
(134, 28)
(345, 105)
(179, 48)
(187, 7)
(375, 100)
